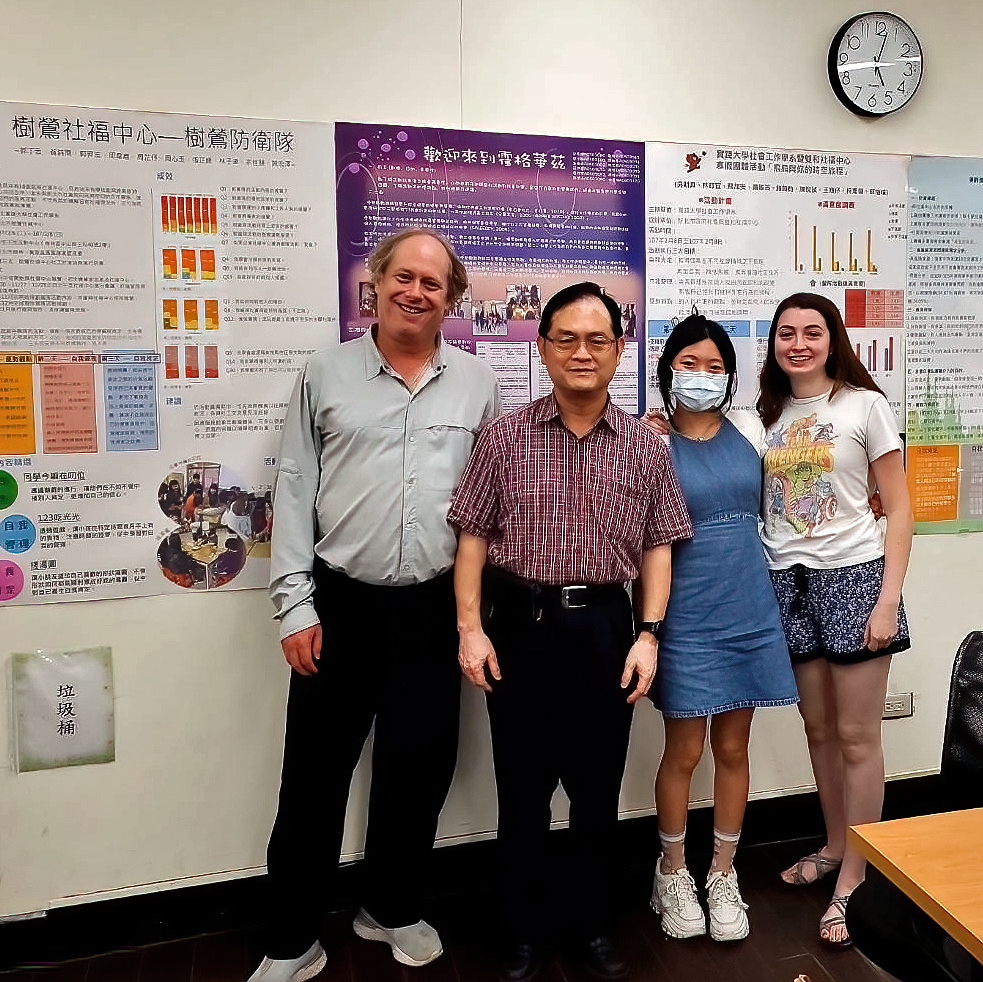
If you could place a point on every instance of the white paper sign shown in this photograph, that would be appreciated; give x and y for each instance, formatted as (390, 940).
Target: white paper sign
(63, 708)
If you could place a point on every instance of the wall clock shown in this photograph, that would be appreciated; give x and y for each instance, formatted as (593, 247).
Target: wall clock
(875, 64)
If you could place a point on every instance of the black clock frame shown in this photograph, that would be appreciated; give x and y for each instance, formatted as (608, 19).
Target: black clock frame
(833, 68)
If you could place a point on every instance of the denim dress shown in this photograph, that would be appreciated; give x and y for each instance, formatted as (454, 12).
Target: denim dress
(722, 644)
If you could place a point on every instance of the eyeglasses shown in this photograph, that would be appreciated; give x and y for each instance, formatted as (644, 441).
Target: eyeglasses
(596, 344)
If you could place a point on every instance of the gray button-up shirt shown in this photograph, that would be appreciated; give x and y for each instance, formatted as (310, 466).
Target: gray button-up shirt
(367, 469)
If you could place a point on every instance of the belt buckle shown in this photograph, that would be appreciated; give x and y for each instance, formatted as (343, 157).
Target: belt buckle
(565, 600)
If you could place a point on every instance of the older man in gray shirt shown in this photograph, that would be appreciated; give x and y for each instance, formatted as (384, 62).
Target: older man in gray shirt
(376, 436)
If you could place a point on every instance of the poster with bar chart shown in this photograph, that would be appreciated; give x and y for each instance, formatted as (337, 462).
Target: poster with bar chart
(733, 230)
(164, 277)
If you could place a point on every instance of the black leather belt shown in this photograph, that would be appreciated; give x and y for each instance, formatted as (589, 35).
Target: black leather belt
(503, 588)
(578, 594)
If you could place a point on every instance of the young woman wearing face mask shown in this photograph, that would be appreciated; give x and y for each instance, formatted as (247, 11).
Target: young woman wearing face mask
(722, 652)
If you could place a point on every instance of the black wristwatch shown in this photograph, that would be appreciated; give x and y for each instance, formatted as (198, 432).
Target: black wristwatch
(653, 627)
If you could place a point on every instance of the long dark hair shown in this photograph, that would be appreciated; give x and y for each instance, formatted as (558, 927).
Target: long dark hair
(842, 364)
(693, 330)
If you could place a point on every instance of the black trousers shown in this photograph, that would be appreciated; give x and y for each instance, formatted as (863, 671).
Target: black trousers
(389, 655)
(896, 934)
(558, 714)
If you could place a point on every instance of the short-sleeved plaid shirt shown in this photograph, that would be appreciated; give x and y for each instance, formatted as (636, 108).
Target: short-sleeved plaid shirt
(557, 509)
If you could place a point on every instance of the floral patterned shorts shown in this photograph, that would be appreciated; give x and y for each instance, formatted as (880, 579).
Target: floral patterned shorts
(825, 611)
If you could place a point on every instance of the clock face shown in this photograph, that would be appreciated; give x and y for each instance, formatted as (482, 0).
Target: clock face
(875, 64)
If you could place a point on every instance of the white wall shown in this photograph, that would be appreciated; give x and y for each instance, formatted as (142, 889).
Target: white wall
(200, 684)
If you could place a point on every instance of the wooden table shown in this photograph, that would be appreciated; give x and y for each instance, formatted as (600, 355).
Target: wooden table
(937, 860)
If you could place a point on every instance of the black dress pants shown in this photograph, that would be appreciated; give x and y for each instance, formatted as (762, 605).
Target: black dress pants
(389, 654)
(559, 714)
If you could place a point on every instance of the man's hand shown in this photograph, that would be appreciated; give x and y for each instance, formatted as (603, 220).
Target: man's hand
(475, 652)
(882, 628)
(656, 420)
(641, 660)
(303, 649)
(876, 505)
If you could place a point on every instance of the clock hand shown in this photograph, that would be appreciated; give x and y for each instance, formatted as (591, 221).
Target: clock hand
(879, 53)
(870, 64)
(877, 72)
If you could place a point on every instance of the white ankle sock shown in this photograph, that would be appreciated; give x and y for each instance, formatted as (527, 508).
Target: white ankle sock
(724, 848)
(673, 850)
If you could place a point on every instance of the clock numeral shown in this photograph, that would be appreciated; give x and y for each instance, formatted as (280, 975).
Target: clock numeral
(901, 87)
(905, 50)
(853, 42)
(845, 78)
(880, 29)
(909, 69)
(844, 57)
(872, 102)
(888, 101)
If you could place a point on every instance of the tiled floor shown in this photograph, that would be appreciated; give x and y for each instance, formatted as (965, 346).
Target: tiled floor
(782, 946)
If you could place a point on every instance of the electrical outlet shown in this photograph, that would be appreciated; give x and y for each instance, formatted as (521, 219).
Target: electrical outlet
(898, 705)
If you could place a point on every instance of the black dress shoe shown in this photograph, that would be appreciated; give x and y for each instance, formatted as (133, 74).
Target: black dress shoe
(521, 964)
(601, 960)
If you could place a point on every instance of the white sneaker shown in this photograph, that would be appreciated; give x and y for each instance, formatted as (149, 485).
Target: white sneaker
(728, 917)
(291, 969)
(674, 897)
(416, 944)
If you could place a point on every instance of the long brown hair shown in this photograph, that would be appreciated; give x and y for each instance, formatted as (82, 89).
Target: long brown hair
(842, 364)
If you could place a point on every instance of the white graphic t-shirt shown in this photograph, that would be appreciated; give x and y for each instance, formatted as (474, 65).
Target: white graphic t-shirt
(817, 479)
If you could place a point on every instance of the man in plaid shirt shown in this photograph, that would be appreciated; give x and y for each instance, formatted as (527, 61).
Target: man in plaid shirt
(562, 504)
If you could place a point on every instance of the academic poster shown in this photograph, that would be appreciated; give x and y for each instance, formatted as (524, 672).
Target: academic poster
(945, 344)
(528, 215)
(733, 230)
(162, 279)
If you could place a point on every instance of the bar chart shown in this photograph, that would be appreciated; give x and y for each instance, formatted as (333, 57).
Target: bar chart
(182, 214)
(818, 249)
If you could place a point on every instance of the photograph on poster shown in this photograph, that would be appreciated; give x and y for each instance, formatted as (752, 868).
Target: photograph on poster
(218, 525)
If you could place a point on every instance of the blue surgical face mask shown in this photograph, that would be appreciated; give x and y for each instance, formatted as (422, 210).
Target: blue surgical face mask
(699, 391)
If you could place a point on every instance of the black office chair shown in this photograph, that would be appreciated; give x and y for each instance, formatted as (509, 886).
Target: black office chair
(891, 930)
(962, 744)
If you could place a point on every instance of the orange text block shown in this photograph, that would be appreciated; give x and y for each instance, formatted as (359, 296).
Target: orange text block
(68, 402)
(17, 403)
(933, 482)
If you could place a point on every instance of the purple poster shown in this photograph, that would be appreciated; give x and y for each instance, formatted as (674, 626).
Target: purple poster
(527, 215)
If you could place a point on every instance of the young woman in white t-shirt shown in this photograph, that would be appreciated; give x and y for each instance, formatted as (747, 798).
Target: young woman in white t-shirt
(830, 437)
